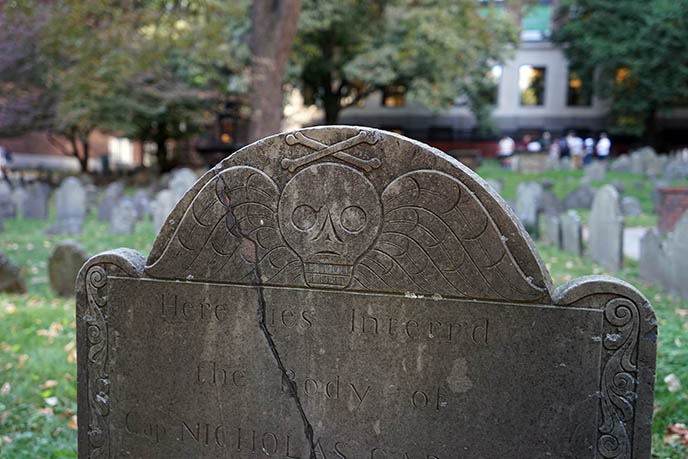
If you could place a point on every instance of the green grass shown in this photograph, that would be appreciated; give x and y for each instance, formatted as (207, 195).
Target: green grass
(37, 339)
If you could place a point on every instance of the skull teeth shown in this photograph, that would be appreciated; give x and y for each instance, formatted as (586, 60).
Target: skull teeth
(328, 274)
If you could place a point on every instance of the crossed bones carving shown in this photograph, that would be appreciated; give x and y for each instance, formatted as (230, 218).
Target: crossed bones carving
(335, 150)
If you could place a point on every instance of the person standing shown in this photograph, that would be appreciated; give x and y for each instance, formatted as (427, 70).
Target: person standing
(603, 146)
(505, 150)
(589, 150)
(575, 145)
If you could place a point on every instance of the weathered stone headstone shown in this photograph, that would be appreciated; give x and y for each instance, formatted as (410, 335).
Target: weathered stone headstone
(580, 198)
(550, 204)
(572, 233)
(70, 200)
(595, 171)
(162, 206)
(631, 206)
(677, 250)
(528, 196)
(111, 196)
(565, 163)
(346, 292)
(64, 265)
(143, 204)
(621, 164)
(553, 230)
(606, 224)
(124, 217)
(11, 276)
(653, 266)
(36, 206)
(7, 207)
(19, 199)
(92, 197)
(619, 185)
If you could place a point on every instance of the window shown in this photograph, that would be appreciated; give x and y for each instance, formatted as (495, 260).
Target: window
(494, 76)
(393, 96)
(578, 93)
(531, 83)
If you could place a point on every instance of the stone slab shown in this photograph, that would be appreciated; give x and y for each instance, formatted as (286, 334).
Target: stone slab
(606, 227)
(347, 292)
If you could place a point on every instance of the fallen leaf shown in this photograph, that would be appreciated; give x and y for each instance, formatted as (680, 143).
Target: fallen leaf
(677, 342)
(673, 383)
(677, 433)
(22, 359)
(48, 384)
(72, 423)
(11, 309)
(68, 377)
(6, 439)
(5, 389)
(71, 358)
(682, 312)
(56, 432)
(51, 401)
(3, 417)
(46, 411)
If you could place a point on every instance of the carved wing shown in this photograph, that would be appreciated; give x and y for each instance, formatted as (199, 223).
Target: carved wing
(229, 227)
(437, 238)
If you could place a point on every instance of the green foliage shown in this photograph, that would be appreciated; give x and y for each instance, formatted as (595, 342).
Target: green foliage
(437, 49)
(646, 38)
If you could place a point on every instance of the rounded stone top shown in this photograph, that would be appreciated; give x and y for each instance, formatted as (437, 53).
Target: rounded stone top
(352, 208)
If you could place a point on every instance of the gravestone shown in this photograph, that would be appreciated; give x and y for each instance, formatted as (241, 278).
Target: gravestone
(111, 196)
(92, 197)
(11, 276)
(652, 263)
(19, 199)
(631, 206)
(553, 230)
(677, 251)
(580, 198)
(528, 196)
(606, 224)
(550, 204)
(7, 207)
(70, 200)
(162, 206)
(621, 164)
(64, 265)
(123, 217)
(347, 292)
(595, 171)
(572, 233)
(143, 204)
(37, 201)
(676, 169)
(620, 186)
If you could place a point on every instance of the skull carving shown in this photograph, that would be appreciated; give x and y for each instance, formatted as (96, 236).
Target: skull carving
(329, 214)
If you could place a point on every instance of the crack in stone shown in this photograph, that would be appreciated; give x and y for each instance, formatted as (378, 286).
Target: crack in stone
(308, 429)
(271, 343)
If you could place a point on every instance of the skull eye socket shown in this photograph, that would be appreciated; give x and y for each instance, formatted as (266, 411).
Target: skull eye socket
(304, 217)
(353, 219)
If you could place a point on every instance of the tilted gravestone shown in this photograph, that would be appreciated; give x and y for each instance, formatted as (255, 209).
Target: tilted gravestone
(665, 261)
(571, 233)
(344, 292)
(70, 200)
(606, 225)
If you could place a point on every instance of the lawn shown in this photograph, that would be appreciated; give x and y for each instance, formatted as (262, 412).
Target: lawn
(37, 336)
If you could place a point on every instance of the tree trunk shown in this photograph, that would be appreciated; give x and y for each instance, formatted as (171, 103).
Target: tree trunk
(161, 154)
(83, 160)
(273, 27)
(332, 109)
(651, 128)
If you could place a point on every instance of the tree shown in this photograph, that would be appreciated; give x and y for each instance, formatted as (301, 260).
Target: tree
(634, 51)
(437, 50)
(273, 26)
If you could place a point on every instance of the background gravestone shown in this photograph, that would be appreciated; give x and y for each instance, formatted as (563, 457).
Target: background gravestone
(19, 199)
(652, 263)
(70, 200)
(346, 292)
(553, 230)
(595, 171)
(123, 217)
(606, 224)
(11, 276)
(7, 207)
(111, 196)
(36, 206)
(64, 265)
(631, 206)
(180, 181)
(571, 233)
(580, 198)
(528, 196)
(162, 206)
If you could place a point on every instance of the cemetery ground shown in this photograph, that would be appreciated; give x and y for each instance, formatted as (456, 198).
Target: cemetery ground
(37, 329)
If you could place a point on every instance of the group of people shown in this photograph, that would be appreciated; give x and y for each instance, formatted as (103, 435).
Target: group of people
(581, 151)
